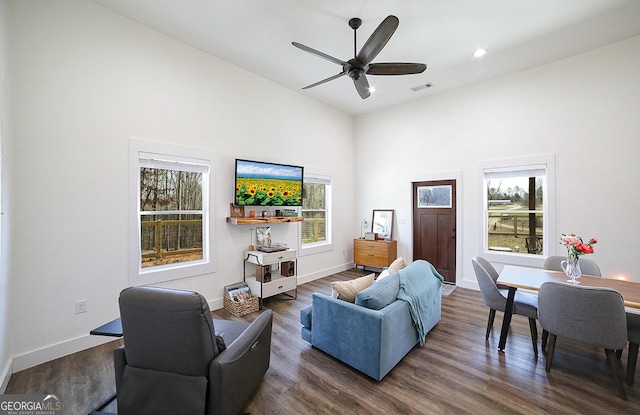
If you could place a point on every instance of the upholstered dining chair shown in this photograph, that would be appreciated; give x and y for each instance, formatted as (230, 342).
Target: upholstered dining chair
(591, 315)
(495, 298)
(177, 360)
(587, 266)
(633, 332)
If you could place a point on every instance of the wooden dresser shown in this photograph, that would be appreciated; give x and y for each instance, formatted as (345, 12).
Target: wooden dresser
(377, 254)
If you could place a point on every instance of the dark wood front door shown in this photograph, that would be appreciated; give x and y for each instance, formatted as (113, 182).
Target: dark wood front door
(434, 225)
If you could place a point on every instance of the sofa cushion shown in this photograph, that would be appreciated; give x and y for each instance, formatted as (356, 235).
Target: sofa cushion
(347, 290)
(380, 294)
(397, 265)
(384, 274)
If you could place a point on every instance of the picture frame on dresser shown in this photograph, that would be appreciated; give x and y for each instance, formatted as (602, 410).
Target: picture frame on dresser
(382, 223)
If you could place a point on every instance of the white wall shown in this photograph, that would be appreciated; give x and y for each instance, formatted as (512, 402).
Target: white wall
(83, 82)
(5, 350)
(583, 109)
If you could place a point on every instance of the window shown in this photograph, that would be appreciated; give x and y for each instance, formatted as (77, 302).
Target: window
(518, 195)
(170, 226)
(315, 230)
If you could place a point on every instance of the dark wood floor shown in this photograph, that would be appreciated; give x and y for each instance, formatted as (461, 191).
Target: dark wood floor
(456, 372)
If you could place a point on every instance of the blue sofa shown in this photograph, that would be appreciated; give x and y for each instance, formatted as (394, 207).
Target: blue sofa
(366, 338)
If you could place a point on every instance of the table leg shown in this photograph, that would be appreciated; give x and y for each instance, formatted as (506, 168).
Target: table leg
(506, 320)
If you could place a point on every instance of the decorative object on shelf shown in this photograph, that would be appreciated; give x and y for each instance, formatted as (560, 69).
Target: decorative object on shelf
(264, 235)
(371, 236)
(382, 223)
(289, 213)
(363, 225)
(252, 213)
(262, 221)
(251, 247)
(236, 211)
(575, 248)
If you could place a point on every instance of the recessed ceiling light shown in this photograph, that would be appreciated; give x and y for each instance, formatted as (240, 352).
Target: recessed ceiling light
(479, 53)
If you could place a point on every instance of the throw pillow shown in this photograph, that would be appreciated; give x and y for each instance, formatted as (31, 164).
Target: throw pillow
(384, 274)
(347, 290)
(380, 294)
(397, 265)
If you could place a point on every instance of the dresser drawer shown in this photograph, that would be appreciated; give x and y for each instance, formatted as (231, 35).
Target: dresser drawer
(278, 286)
(375, 259)
(379, 246)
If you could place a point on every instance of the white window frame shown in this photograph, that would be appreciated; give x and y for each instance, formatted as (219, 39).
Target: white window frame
(324, 177)
(139, 152)
(546, 162)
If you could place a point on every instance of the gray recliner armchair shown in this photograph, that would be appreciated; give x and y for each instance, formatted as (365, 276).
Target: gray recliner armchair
(176, 359)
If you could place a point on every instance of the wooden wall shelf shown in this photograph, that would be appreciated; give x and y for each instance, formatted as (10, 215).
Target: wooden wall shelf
(260, 221)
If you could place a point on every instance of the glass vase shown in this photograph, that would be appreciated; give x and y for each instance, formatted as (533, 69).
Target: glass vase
(571, 267)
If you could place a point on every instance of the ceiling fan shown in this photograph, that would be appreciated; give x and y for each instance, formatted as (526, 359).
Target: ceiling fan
(358, 67)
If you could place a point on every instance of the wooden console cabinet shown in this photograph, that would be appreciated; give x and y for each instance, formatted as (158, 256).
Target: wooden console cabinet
(377, 254)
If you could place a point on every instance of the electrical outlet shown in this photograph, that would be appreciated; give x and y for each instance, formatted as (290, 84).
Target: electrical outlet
(81, 306)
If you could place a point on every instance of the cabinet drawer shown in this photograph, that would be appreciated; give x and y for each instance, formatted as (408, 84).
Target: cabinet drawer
(266, 258)
(371, 245)
(375, 259)
(278, 286)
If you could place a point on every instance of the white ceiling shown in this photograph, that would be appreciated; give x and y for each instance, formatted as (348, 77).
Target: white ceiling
(256, 35)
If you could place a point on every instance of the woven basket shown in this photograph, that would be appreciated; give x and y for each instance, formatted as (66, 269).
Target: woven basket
(241, 308)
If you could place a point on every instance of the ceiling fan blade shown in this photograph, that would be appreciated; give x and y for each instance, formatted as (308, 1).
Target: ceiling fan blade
(362, 85)
(318, 53)
(396, 68)
(331, 78)
(378, 39)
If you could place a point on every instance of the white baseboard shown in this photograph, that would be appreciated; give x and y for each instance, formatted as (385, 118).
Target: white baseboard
(323, 273)
(5, 375)
(55, 351)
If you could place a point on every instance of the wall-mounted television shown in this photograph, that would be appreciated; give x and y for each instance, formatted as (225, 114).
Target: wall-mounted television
(268, 184)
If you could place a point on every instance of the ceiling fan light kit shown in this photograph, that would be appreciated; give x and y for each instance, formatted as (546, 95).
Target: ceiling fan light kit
(358, 67)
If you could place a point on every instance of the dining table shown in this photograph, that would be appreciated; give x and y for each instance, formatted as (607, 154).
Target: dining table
(518, 277)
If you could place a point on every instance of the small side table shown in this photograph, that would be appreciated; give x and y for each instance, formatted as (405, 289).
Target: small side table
(110, 329)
